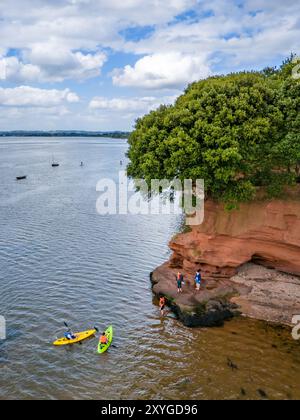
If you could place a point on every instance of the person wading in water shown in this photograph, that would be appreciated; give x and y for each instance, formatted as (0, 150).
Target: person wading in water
(162, 304)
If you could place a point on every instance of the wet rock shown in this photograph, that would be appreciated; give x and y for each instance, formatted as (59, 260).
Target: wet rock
(262, 393)
(206, 308)
(183, 383)
(242, 256)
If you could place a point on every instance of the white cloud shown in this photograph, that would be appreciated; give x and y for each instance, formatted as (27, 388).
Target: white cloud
(52, 35)
(26, 96)
(57, 63)
(29, 112)
(227, 35)
(137, 104)
(79, 24)
(60, 118)
(171, 70)
(51, 63)
(36, 118)
(12, 69)
(122, 111)
(53, 41)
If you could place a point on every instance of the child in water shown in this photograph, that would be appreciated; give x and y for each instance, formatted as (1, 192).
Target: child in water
(162, 304)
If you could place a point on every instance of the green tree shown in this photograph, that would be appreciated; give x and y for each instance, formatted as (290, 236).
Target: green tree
(237, 132)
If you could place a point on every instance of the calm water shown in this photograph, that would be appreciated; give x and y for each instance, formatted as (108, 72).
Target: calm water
(60, 261)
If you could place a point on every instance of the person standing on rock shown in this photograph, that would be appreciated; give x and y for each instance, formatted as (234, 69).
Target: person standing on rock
(198, 280)
(179, 279)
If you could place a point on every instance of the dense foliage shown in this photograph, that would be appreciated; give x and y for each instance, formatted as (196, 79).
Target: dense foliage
(237, 132)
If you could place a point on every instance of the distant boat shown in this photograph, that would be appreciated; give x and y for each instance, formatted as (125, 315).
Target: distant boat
(54, 164)
(19, 178)
(81, 163)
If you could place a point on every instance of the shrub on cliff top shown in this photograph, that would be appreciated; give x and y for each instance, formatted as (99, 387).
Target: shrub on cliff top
(237, 132)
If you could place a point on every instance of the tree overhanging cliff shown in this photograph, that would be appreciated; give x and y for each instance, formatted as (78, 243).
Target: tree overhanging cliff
(237, 132)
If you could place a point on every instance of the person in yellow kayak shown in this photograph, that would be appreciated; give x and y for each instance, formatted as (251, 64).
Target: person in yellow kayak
(69, 335)
(103, 340)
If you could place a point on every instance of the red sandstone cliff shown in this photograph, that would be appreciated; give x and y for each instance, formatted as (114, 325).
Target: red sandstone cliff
(225, 246)
(267, 233)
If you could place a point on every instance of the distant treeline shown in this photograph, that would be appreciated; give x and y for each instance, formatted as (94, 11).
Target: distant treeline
(111, 134)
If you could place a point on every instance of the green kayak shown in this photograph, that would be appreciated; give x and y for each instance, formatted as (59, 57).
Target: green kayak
(103, 347)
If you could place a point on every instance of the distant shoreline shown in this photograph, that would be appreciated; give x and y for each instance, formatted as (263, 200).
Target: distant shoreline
(111, 134)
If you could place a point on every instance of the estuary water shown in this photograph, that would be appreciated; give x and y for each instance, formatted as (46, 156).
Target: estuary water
(62, 261)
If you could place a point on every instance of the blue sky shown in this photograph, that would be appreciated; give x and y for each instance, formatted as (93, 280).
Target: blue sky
(98, 65)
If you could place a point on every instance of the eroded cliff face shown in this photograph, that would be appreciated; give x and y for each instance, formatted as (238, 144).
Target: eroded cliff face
(267, 233)
(250, 262)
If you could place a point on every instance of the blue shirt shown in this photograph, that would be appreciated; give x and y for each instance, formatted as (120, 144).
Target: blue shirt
(198, 277)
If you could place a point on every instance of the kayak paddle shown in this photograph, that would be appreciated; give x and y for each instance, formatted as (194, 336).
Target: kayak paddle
(67, 326)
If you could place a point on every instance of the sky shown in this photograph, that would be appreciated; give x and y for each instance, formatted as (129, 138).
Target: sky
(101, 64)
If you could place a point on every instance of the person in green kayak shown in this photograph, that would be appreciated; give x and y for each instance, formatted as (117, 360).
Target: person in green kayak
(103, 340)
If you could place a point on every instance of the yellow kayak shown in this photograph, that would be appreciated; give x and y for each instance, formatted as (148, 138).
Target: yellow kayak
(79, 337)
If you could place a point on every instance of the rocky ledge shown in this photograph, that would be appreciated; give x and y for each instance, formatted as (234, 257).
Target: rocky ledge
(250, 263)
(255, 291)
(208, 307)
